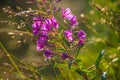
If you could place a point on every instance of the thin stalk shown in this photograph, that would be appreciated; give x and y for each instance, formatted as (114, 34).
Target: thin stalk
(62, 73)
(85, 76)
(30, 68)
(19, 72)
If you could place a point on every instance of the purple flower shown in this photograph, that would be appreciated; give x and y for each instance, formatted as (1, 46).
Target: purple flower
(37, 21)
(36, 24)
(45, 27)
(81, 34)
(64, 56)
(41, 27)
(35, 31)
(42, 41)
(54, 22)
(48, 54)
(66, 13)
(81, 42)
(58, 1)
(37, 18)
(51, 23)
(48, 21)
(68, 35)
(73, 22)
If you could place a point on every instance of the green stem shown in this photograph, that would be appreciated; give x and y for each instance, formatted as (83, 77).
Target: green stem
(19, 72)
(30, 67)
(80, 72)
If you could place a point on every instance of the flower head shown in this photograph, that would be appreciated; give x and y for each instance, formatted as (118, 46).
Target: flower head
(81, 42)
(54, 22)
(68, 35)
(73, 22)
(41, 28)
(37, 18)
(81, 34)
(51, 23)
(36, 24)
(35, 31)
(48, 21)
(37, 21)
(42, 41)
(66, 13)
(48, 54)
(64, 56)
(58, 1)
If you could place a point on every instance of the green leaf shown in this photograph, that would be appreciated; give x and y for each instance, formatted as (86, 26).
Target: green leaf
(77, 51)
(66, 42)
(60, 50)
(99, 58)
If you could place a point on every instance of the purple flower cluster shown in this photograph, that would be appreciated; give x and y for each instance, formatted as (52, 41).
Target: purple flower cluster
(67, 14)
(41, 28)
(42, 41)
(81, 35)
(68, 35)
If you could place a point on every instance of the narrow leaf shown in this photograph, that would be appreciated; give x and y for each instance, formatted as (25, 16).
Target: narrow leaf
(77, 51)
(99, 58)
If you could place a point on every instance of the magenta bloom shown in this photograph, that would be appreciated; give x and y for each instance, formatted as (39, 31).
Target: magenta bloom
(68, 35)
(48, 54)
(54, 22)
(48, 21)
(37, 21)
(81, 42)
(73, 22)
(42, 41)
(66, 13)
(51, 23)
(64, 56)
(41, 27)
(36, 24)
(37, 18)
(58, 1)
(36, 31)
(81, 34)
(45, 27)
